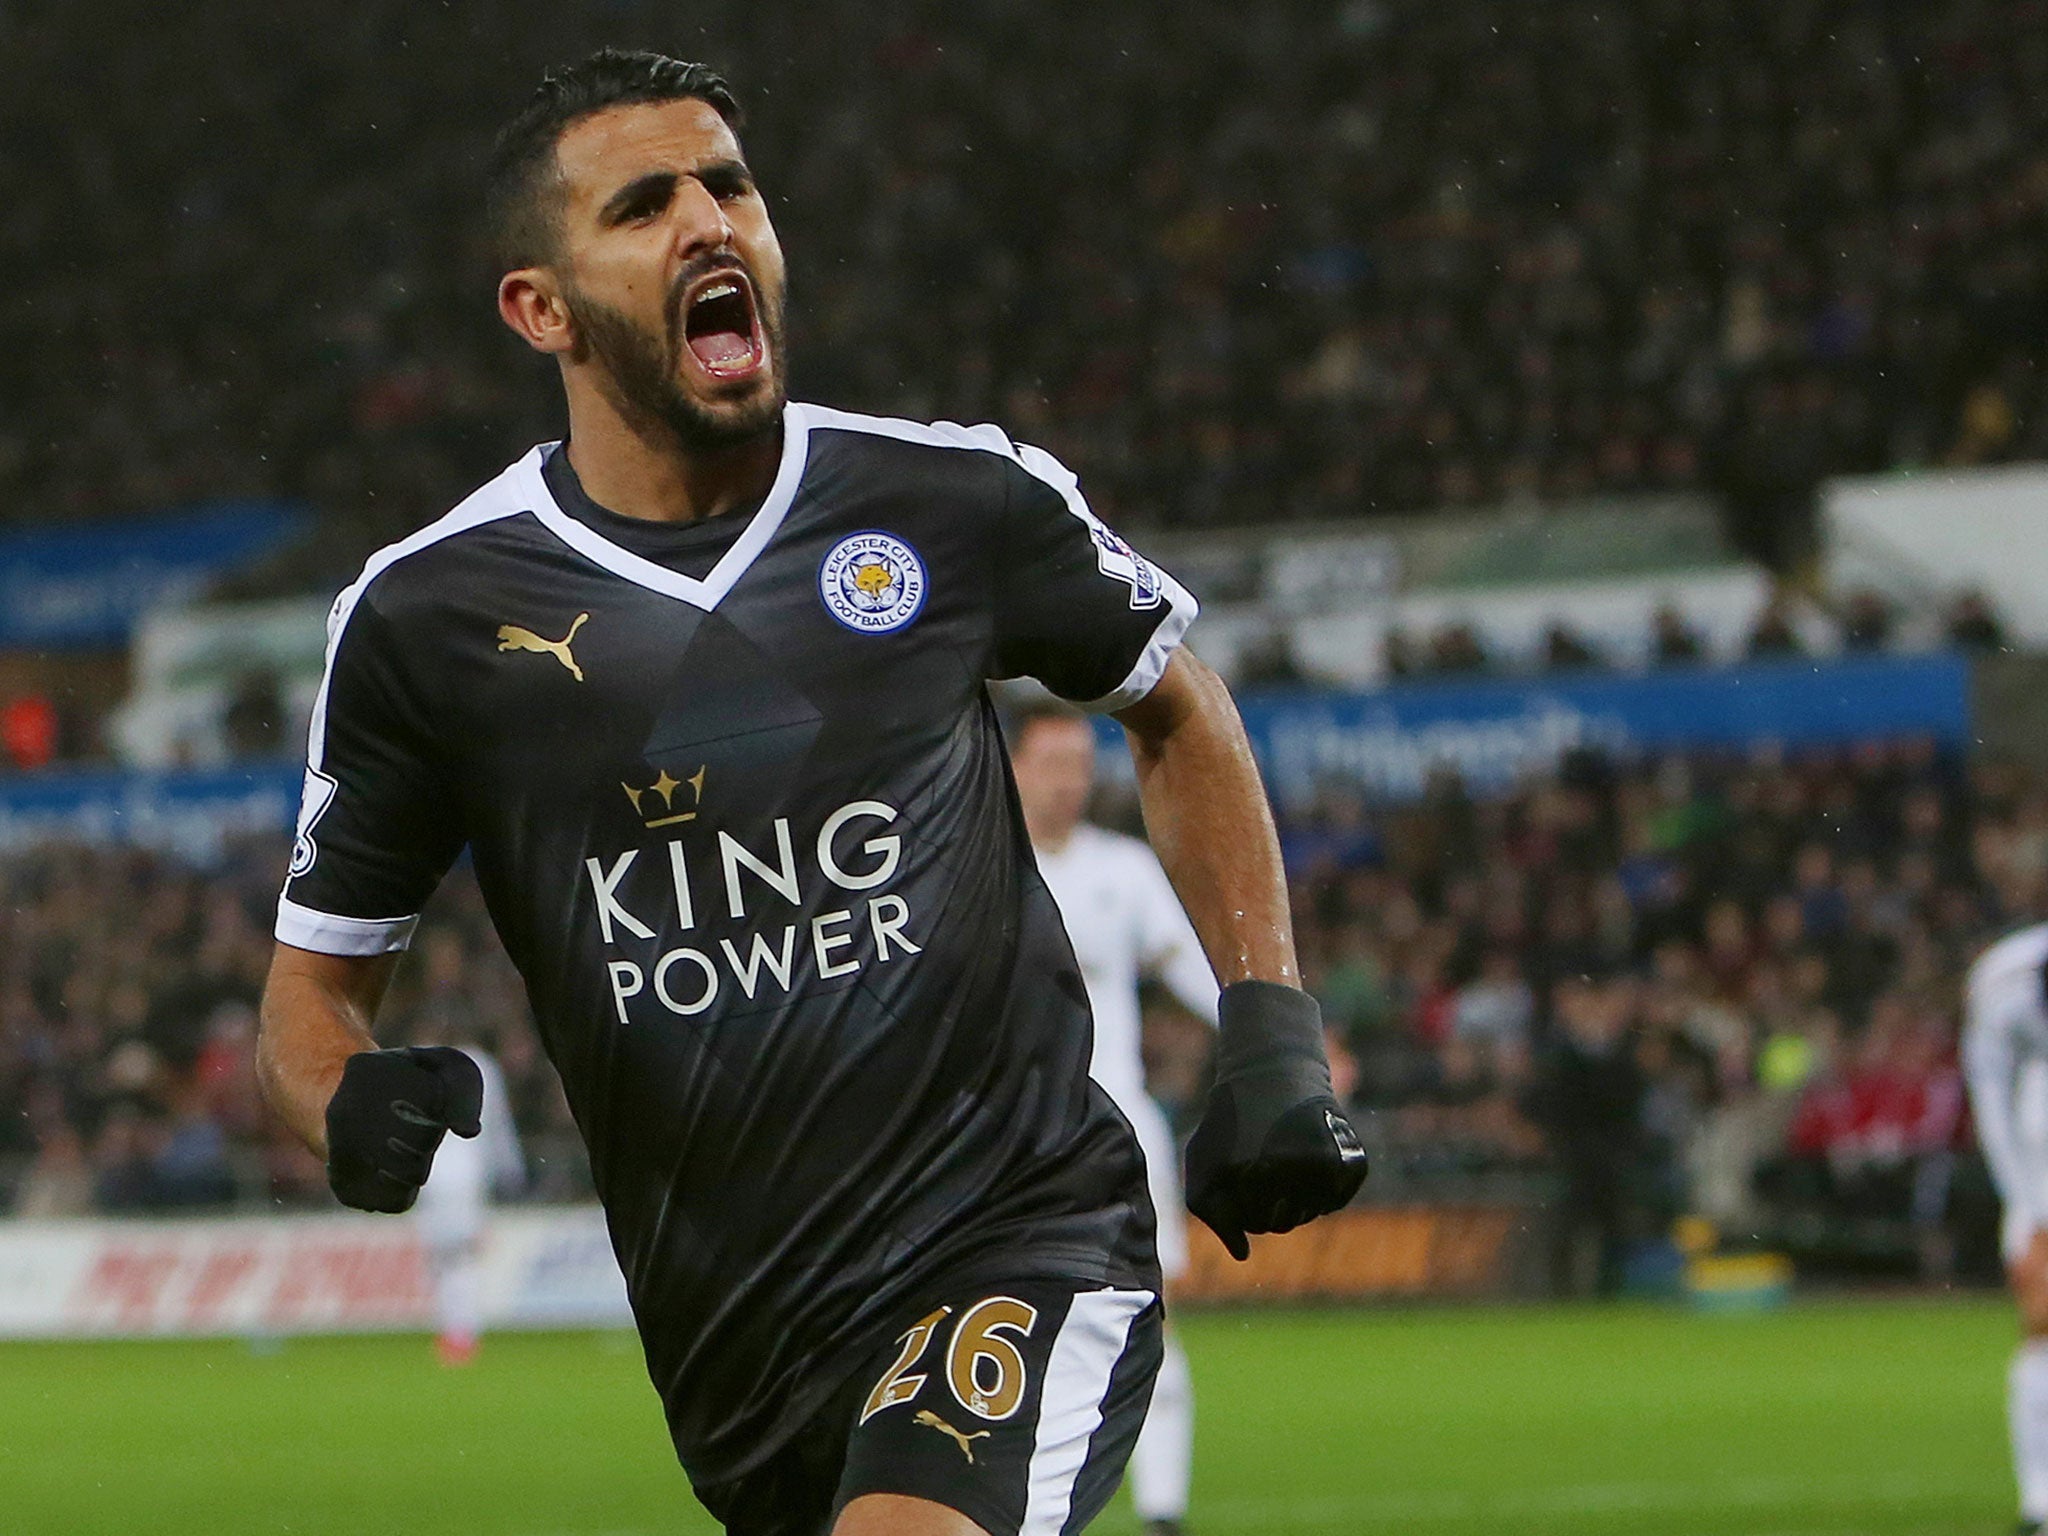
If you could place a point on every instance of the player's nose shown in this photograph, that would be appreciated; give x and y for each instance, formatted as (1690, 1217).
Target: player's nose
(701, 224)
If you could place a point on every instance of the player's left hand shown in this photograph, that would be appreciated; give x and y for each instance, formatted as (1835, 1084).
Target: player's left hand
(1273, 1149)
(387, 1118)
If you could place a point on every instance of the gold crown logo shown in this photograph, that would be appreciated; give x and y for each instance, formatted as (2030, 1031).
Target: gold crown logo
(666, 787)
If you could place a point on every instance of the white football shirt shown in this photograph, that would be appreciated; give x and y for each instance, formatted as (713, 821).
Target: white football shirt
(466, 1169)
(2005, 1043)
(1125, 924)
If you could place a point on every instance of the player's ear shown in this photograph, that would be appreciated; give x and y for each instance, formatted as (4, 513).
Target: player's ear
(530, 301)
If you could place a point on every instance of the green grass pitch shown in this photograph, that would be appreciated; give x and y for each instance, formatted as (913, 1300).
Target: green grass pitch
(1828, 1419)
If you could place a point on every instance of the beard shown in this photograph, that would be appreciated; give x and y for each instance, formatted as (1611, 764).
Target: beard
(643, 370)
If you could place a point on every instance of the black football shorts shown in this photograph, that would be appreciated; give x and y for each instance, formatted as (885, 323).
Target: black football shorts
(1016, 1405)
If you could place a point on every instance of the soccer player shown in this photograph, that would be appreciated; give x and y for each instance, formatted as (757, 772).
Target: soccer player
(702, 691)
(1124, 923)
(2005, 1058)
(451, 1211)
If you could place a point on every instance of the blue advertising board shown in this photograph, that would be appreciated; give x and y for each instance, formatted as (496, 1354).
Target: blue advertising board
(1495, 731)
(189, 812)
(76, 588)
(1386, 743)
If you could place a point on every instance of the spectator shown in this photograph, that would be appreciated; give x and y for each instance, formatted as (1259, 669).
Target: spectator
(1866, 622)
(1496, 1008)
(1588, 1098)
(1269, 661)
(1462, 1110)
(29, 731)
(1973, 625)
(1397, 655)
(1456, 651)
(254, 721)
(1565, 650)
(59, 1182)
(1772, 635)
(1673, 642)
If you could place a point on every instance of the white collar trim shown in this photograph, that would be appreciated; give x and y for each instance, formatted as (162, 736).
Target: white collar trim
(709, 592)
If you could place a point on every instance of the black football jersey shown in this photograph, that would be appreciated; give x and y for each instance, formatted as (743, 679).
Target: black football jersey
(737, 800)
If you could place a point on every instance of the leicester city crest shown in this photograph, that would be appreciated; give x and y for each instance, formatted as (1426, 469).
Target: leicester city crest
(872, 582)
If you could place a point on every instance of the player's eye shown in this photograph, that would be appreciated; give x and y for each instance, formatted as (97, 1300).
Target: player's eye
(643, 202)
(726, 184)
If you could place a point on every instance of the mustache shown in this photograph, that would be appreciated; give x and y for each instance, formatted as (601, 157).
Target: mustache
(703, 266)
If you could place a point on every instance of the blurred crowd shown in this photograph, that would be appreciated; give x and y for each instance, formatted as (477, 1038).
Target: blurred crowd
(1310, 258)
(1720, 988)
(1724, 988)
(128, 992)
(1861, 623)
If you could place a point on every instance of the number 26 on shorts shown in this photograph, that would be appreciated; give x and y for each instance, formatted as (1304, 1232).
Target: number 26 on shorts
(984, 1367)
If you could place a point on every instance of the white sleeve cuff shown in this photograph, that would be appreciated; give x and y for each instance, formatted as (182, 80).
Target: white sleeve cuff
(326, 934)
(1181, 610)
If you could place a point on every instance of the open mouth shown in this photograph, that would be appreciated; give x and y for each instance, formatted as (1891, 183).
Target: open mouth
(721, 325)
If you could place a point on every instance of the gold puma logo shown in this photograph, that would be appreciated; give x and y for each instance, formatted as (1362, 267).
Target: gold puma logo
(515, 637)
(932, 1421)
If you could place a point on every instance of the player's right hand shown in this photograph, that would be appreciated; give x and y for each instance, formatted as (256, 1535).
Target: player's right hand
(1273, 1149)
(387, 1118)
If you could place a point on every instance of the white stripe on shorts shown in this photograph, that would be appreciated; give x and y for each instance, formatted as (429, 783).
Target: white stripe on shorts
(1077, 1373)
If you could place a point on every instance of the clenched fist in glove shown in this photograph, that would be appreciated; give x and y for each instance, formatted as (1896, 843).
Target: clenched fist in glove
(1273, 1149)
(387, 1118)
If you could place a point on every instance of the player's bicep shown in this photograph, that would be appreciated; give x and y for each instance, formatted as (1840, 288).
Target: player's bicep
(378, 826)
(1077, 608)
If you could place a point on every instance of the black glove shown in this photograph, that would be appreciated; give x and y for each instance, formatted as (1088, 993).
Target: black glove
(1273, 1149)
(388, 1116)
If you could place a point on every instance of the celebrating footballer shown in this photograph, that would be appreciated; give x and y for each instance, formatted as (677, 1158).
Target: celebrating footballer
(701, 689)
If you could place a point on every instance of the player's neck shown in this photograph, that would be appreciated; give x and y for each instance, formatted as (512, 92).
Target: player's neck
(654, 478)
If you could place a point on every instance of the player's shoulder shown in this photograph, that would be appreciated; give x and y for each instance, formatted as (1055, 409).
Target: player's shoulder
(981, 448)
(413, 570)
(2017, 958)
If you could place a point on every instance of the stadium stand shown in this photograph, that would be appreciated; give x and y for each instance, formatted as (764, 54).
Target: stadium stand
(127, 1023)
(1474, 254)
(1720, 986)
(1471, 252)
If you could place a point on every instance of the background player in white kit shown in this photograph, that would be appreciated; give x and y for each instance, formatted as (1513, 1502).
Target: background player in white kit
(452, 1208)
(1125, 924)
(2005, 1054)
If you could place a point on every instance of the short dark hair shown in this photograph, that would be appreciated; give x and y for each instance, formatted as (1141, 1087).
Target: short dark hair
(523, 190)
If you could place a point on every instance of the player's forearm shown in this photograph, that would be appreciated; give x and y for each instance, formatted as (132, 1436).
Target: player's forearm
(311, 1025)
(1206, 812)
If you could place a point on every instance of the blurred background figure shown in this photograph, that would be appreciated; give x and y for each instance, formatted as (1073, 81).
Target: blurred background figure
(1588, 1098)
(2006, 1050)
(1126, 926)
(453, 1210)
